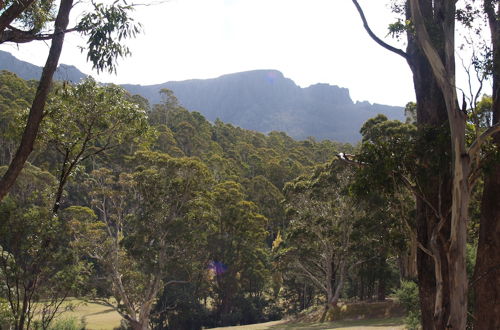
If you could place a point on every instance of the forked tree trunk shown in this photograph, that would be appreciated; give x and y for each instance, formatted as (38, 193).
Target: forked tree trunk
(12, 13)
(333, 294)
(434, 181)
(435, 186)
(443, 67)
(140, 325)
(441, 222)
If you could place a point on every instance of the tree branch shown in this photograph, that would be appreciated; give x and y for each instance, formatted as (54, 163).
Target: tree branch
(13, 12)
(345, 158)
(374, 36)
(12, 34)
(476, 145)
(176, 282)
(311, 276)
(36, 112)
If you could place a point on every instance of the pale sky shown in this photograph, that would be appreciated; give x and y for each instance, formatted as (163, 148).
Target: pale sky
(310, 41)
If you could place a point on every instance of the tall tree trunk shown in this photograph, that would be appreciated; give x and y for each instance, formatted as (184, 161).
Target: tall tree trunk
(441, 221)
(361, 287)
(435, 185)
(441, 57)
(139, 325)
(334, 290)
(487, 271)
(434, 174)
(382, 279)
(38, 105)
(408, 260)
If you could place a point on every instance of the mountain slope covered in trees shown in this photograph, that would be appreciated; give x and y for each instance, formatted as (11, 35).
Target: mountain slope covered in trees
(264, 100)
(261, 100)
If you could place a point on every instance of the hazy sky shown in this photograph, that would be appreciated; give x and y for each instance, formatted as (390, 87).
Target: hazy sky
(310, 41)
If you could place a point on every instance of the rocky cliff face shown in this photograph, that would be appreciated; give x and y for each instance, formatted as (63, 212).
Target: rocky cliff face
(264, 100)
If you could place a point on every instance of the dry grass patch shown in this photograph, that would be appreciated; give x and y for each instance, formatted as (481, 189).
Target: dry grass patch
(95, 316)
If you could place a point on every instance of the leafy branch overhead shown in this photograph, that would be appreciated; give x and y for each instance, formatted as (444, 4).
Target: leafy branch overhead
(27, 20)
(106, 27)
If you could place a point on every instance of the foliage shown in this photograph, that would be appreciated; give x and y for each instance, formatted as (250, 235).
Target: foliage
(106, 26)
(238, 254)
(6, 318)
(36, 16)
(407, 294)
(87, 120)
(37, 263)
(185, 223)
(317, 247)
(69, 323)
(15, 98)
(147, 226)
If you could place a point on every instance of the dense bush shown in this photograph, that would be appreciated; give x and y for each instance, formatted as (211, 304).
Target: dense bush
(407, 294)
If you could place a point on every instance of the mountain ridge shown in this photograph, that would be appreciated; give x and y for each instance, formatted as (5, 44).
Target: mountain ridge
(261, 100)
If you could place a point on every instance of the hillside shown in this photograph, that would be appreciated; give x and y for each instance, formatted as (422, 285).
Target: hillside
(30, 71)
(265, 100)
(261, 100)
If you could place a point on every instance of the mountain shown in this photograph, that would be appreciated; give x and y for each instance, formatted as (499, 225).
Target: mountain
(261, 100)
(264, 100)
(30, 71)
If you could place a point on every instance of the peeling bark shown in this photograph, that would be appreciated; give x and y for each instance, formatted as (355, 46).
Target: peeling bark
(443, 68)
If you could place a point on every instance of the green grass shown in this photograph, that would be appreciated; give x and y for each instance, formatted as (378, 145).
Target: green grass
(392, 323)
(95, 316)
(396, 323)
(101, 317)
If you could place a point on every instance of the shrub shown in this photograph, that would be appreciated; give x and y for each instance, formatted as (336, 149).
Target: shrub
(69, 323)
(6, 318)
(407, 294)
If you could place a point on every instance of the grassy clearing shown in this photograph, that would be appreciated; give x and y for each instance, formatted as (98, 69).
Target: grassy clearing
(95, 316)
(376, 324)
(100, 317)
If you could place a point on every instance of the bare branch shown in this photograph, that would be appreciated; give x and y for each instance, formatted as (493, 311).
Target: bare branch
(476, 145)
(349, 159)
(374, 36)
(311, 276)
(12, 34)
(423, 248)
(176, 282)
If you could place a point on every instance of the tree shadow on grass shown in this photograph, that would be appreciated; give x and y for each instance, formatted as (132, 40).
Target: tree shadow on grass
(374, 323)
(106, 311)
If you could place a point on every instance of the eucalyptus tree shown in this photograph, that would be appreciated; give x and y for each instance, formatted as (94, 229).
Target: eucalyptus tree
(86, 120)
(15, 97)
(387, 167)
(239, 255)
(147, 230)
(442, 207)
(317, 246)
(105, 26)
(39, 268)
